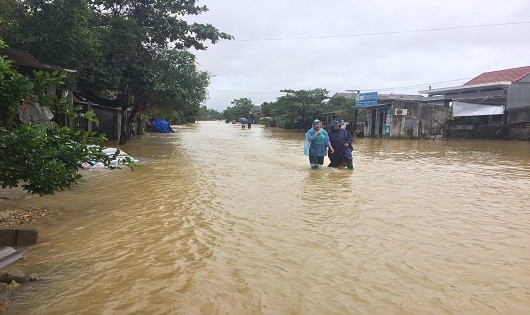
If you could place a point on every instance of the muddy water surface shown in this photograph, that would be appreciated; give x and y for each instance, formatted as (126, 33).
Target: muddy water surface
(217, 219)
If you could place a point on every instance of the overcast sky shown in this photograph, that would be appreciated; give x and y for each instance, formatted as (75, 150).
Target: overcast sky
(340, 45)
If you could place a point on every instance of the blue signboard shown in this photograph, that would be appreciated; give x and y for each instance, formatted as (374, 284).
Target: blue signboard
(366, 99)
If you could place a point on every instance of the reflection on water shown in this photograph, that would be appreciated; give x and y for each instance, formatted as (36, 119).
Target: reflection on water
(223, 220)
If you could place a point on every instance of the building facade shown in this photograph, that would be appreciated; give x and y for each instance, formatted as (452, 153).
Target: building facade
(405, 116)
(494, 104)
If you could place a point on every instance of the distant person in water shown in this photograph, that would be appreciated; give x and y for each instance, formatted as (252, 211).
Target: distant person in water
(341, 140)
(317, 144)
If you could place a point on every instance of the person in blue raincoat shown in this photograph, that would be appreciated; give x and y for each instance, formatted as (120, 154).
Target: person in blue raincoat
(342, 141)
(317, 144)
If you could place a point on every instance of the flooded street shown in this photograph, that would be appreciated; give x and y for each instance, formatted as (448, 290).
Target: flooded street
(217, 219)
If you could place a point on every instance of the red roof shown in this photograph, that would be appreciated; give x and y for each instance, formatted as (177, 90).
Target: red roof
(512, 75)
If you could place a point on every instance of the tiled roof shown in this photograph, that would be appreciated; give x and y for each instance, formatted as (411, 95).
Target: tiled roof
(512, 75)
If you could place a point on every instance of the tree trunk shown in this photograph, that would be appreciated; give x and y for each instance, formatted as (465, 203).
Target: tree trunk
(124, 100)
(140, 103)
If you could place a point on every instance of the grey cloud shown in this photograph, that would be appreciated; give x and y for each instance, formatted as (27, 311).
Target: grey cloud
(259, 69)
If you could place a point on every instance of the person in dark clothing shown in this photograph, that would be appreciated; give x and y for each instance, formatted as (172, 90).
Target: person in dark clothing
(341, 140)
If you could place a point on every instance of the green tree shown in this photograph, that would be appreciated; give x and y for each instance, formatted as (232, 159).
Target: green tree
(12, 16)
(117, 47)
(41, 159)
(178, 85)
(58, 32)
(138, 32)
(266, 109)
(304, 105)
(241, 108)
(344, 107)
(206, 113)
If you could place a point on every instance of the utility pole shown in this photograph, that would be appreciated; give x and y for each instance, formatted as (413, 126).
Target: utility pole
(355, 113)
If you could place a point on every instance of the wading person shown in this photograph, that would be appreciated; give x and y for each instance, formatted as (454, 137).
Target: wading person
(341, 140)
(317, 144)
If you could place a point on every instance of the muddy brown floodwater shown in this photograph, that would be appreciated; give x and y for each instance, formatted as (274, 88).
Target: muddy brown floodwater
(217, 219)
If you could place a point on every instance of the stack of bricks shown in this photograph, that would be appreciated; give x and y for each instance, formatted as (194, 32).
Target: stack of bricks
(18, 236)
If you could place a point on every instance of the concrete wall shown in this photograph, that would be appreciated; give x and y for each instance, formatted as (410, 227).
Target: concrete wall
(519, 95)
(519, 132)
(518, 122)
(468, 131)
(420, 121)
(518, 107)
(518, 110)
(518, 115)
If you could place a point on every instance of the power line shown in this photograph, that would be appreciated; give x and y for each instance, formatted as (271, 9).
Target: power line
(372, 89)
(246, 92)
(417, 85)
(384, 33)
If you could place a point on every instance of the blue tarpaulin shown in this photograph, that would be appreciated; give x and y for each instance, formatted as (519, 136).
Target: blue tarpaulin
(161, 125)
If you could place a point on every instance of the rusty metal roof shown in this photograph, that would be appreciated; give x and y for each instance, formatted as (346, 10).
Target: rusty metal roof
(22, 58)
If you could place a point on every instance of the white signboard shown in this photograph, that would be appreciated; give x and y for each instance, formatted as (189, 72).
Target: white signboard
(470, 109)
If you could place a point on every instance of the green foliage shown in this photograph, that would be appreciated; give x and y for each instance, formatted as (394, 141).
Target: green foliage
(14, 87)
(344, 107)
(41, 159)
(45, 159)
(133, 50)
(58, 32)
(178, 84)
(13, 17)
(241, 108)
(301, 106)
(159, 23)
(209, 114)
(168, 114)
(341, 104)
(266, 109)
(138, 59)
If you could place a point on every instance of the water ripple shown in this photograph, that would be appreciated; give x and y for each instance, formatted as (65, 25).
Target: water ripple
(218, 219)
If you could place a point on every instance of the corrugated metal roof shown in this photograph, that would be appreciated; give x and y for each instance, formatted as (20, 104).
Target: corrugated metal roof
(512, 75)
(406, 97)
(22, 58)
(80, 98)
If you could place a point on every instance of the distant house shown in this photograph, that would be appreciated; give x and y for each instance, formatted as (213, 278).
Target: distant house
(492, 103)
(255, 113)
(404, 116)
(108, 114)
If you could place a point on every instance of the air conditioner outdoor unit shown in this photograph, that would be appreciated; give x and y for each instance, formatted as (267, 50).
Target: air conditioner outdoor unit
(400, 112)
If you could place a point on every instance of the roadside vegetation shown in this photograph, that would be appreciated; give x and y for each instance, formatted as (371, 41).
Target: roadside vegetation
(296, 109)
(133, 52)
